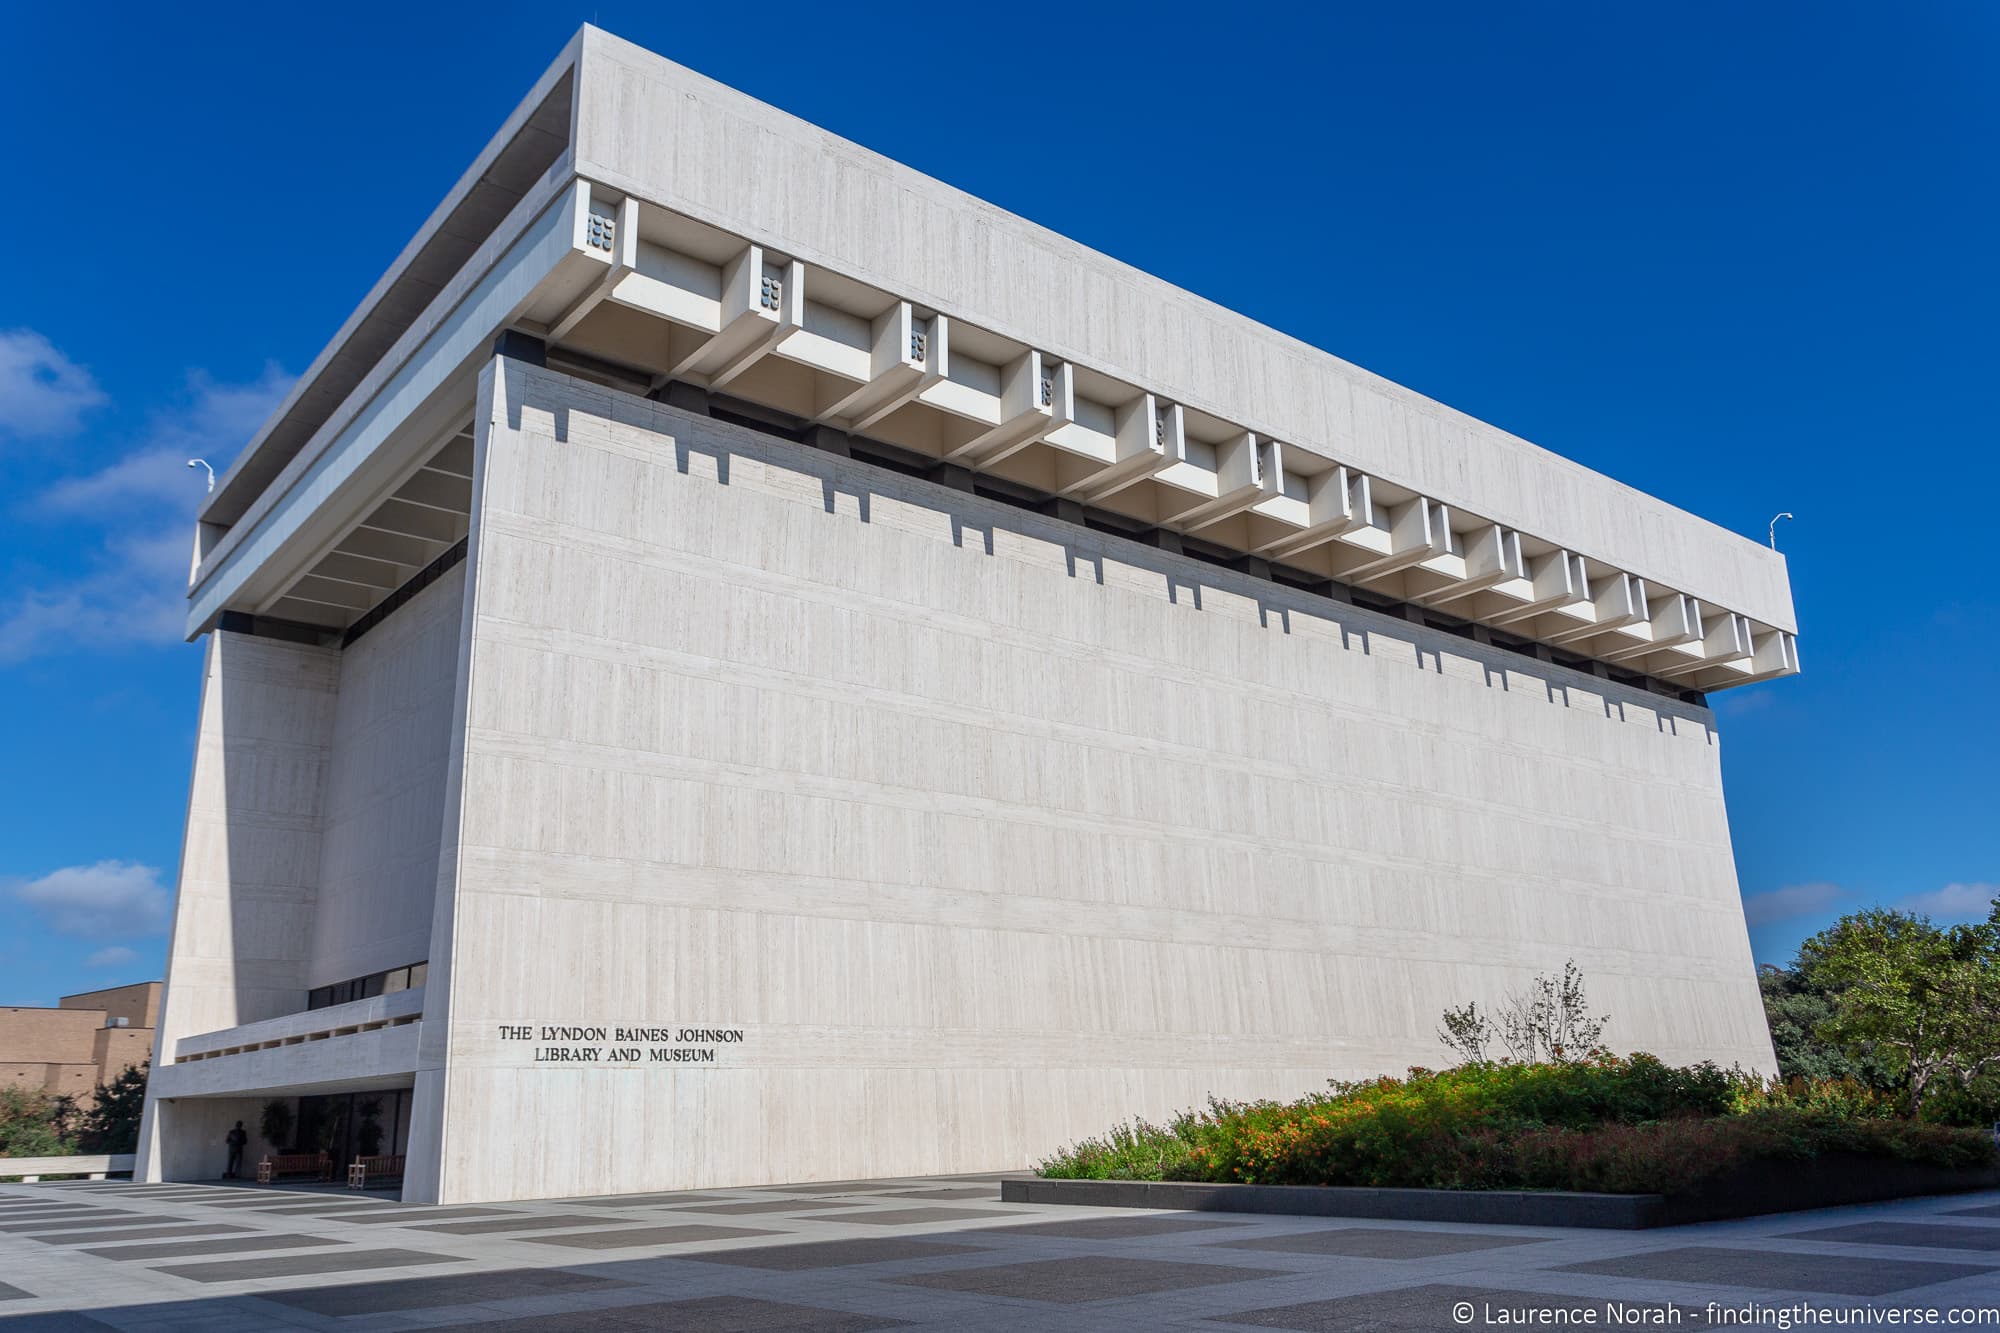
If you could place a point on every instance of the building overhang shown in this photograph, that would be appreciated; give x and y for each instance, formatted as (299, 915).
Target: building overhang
(689, 235)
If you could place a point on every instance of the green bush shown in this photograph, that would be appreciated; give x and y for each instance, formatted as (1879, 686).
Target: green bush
(33, 1123)
(1618, 1124)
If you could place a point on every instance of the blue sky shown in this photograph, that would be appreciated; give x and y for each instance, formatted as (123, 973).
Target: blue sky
(1740, 256)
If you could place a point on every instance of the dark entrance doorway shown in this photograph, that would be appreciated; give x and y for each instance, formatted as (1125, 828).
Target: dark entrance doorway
(347, 1125)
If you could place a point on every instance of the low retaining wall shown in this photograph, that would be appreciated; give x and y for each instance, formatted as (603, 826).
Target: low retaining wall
(1522, 1208)
(31, 1169)
(1825, 1182)
(1761, 1187)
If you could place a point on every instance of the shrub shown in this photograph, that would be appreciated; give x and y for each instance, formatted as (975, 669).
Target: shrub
(275, 1124)
(33, 1124)
(1615, 1124)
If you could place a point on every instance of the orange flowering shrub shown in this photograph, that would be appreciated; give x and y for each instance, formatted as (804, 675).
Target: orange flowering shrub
(1611, 1123)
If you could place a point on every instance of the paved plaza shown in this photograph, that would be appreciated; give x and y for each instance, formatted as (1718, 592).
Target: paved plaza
(932, 1253)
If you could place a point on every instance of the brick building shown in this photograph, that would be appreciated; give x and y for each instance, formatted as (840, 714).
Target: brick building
(85, 1040)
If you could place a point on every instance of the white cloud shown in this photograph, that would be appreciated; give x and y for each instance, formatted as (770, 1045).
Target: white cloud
(135, 592)
(130, 584)
(42, 392)
(217, 420)
(1794, 900)
(116, 955)
(1954, 902)
(109, 900)
(151, 475)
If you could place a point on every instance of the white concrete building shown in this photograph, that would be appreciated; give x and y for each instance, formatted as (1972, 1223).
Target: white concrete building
(741, 663)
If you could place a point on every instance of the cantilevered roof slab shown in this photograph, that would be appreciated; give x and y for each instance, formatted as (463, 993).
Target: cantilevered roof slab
(681, 232)
(670, 136)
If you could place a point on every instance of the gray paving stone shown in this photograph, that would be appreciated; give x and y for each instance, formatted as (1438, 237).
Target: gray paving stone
(252, 1243)
(834, 1253)
(953, 1192)
(1771, 1270)
(1378, 1243)
(99, 1235)
(648, 1200)
(512, 1222)
(1924, 1235)
(51, 1221)
(1076, 1281)
(909, 1217)
(711, 1314)
(430, 1293)
(295, 1265)
(106, 1226)
(1429, 1308)
(310, 1210)
(8, 1293)
(627, 1238)
(1984, 1210)
(774, 1206)
(416, 1216)
(53, 1321)
(1110, 1228)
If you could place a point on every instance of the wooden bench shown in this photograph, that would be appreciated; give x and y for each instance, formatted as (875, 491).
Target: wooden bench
(315, 1164)
(389, 1167)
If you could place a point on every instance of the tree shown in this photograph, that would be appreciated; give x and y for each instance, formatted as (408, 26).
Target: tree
(276, 1125)
(1798, 1003)
(28, 1124)
(1926, 999)
(331, 1123)
(1551, 1020)
(111, 1124)
(1466, 1033)
(368, 1132)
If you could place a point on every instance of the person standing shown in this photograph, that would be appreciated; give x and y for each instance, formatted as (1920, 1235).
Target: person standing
(235, 1138)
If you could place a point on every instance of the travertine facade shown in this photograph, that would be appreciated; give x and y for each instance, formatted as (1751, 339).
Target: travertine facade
(851, 684)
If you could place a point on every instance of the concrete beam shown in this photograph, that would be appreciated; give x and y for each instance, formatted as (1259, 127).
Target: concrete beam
(1247, 470)
(761, 302)
(1026, 414)
(898, 363)
(1337, 500)
(608, 233)
(1148, 436)
(1419, 529)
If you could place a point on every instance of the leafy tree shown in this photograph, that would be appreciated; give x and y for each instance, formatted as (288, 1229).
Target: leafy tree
(29, 1124)
(1924, 998)
(275, 1126)
(331, 1123)
(368, 1133)
(1797, 1005)
(111, 1124)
